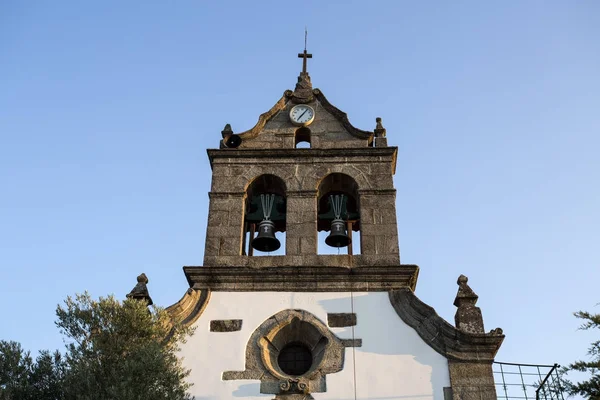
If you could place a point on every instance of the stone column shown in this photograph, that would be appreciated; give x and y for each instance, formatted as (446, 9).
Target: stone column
(378, 228)
(225, 226)
(301, 223)
(472, 380)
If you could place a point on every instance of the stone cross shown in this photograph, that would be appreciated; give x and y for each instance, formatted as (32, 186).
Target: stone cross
(304, 55)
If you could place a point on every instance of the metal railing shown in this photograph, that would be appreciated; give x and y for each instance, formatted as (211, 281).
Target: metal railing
(528, 381)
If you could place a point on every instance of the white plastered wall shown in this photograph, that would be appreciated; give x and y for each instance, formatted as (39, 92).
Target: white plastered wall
(393, 362)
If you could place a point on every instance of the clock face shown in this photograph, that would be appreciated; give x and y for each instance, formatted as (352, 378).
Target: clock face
(302, 115)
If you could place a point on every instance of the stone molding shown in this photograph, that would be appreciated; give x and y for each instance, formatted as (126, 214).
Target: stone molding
(305, 260)
(190, 307)
(444, 338)
(263, 119)
(302, 279)
(296, 155)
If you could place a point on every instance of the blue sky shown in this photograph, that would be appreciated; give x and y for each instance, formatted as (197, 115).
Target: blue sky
(107, 109)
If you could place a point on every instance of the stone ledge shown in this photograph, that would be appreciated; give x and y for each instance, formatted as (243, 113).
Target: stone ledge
(343, 153)
(304, 260)
(303, 279)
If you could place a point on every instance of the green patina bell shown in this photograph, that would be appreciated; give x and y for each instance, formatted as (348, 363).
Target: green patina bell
(338, 237)
(266, 240)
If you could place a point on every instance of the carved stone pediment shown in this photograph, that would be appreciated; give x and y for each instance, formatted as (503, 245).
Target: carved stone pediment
(303, 94)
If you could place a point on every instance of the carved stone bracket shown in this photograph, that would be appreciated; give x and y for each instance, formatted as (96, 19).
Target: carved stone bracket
(293, 386)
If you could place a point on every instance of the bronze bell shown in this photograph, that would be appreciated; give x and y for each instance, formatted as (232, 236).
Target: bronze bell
(338, 237)
(266, 240)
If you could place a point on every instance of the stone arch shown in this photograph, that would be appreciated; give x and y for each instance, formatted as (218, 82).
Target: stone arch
(315, 177)
(334, 184)
(264, 184)
(267, 181)
(271, 337)
(302, 135)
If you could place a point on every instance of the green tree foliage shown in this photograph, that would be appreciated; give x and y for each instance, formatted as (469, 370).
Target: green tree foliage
(589, 388)
(115, 351)
(22, 378)
(15, 365)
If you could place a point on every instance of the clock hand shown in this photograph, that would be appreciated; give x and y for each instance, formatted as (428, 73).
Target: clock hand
(302, 114)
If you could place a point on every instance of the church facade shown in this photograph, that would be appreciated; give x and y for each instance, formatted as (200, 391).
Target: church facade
(300, 323)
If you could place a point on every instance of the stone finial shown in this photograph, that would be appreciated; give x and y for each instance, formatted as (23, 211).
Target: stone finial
(468, 317)
(303, 92)
(379, 138)
(140, 291)
(465, 293)
(379, 129)
(226, 131)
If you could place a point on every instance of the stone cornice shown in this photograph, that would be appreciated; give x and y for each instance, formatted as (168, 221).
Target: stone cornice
(444, 338)
(239, 154)
(303, 279)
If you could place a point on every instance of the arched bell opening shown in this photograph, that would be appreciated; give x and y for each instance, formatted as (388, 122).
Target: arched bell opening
(265, 216)
(302, 138)
(338, 206)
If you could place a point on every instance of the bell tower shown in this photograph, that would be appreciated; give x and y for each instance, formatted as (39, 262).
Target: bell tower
(279, 315)
(340, 181)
